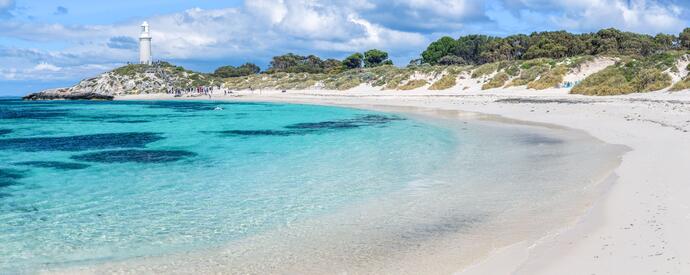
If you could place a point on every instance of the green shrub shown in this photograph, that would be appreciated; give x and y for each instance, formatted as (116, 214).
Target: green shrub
(497, 81)
(456, 70)
(513, 70)
(664, 60)
(413, 84)
(528, 75)
(630, 75)
(609, 81)
(396, 80)
(539, 62)
(550, 79)
(383, 75)
(131, 69)
(342, 83)
(485, 69)
(651, 79)
(578, 61)
(446, 82)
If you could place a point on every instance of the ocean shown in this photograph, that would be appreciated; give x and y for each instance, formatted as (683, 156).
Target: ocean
(277, 187)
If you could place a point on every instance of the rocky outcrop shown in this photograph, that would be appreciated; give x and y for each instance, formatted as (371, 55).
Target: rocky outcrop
(66, 94)
(160, 77)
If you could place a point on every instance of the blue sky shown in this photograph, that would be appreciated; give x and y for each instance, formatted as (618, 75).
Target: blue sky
(46, 44)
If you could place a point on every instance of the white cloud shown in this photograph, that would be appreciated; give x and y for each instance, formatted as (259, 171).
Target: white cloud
(43, 66)
(374, 36)
(49, 72)
(447, 8)
(648, 16)
(271, 10)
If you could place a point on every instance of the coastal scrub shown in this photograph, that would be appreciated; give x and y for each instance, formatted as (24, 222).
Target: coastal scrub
(497, 81)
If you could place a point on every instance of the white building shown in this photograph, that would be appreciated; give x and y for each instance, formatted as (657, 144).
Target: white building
(145, 44)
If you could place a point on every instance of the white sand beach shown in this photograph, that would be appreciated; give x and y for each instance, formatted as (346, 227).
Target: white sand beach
(639, 226)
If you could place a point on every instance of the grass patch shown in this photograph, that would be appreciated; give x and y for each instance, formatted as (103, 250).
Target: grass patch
(529, 74)
(396, 80)
(550, 79)
(446, 82)
(651, 79)
(131, 69)
(609, 81)
(342, 83)
(513, 70)
(619, 79)
(681, 85)
(413, 84)
(497, 81)
(485, 69)
(578, 61)
(539, 62)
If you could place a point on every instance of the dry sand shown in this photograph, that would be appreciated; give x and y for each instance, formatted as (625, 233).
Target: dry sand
(640, 226)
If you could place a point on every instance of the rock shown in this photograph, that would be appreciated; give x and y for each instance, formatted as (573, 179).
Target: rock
(65, 94)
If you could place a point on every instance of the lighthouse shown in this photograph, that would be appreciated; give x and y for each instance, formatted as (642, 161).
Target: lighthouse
(145, 44)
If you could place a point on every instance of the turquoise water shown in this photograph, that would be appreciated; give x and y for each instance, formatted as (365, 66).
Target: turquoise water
(89, 182)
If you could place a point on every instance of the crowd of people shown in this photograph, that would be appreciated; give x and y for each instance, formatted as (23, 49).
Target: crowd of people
(199, 91)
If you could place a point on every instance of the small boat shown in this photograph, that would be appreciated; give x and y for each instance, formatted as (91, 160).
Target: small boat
(218, 108)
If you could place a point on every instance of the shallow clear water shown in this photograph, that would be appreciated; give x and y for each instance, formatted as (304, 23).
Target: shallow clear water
(88, 182)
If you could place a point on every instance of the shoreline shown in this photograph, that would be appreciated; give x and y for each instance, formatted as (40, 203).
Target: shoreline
(625, 231)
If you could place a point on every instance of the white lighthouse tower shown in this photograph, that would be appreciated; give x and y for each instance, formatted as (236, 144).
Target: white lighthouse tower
(145, 44)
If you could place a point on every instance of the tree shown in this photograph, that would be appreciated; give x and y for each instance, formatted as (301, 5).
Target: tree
(480, 49)
(332, 66)
(375, 58)
(292, 63)
(250, 68)
(554, 45)
(231, 71)
(353, 61)
(471, 47)
(665, 42)
(445, 46)
(684, 38)
(284, 62)
(451, 60)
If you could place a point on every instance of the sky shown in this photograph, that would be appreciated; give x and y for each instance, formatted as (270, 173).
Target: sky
(56, 43)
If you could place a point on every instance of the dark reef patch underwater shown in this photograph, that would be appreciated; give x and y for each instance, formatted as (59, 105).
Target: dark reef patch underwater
(361, 121)
(299, 129)
(279, 133)
(5, 131)
(128, 121)
(81, 142)
(9, 177)
(31, 113)
(54, 165)
(137, 156)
